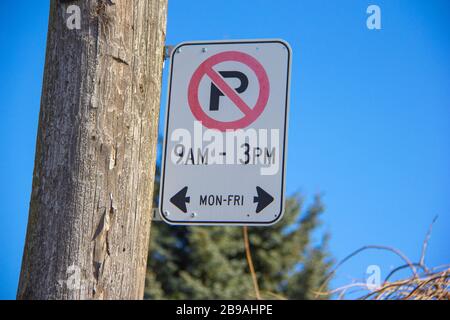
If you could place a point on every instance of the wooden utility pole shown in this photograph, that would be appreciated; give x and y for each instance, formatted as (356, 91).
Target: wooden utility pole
(91, 201)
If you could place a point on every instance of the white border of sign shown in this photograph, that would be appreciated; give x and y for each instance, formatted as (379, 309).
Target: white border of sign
(285, 136)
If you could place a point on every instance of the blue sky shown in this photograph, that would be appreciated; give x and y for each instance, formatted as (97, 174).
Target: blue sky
(369, 119)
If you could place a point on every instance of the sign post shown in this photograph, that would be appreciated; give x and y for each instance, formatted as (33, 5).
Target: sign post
(225, 142)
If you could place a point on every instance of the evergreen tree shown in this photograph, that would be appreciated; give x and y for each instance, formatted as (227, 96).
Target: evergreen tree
(210, 262)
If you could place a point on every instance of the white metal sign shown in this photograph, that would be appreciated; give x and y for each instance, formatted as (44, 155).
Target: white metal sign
(226, 133)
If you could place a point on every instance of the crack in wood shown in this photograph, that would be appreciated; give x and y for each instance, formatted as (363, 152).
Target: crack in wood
(119, 60)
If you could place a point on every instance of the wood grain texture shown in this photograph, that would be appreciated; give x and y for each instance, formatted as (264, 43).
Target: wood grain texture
(95, 154)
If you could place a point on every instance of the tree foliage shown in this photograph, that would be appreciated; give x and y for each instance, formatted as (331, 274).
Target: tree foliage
(210, 262)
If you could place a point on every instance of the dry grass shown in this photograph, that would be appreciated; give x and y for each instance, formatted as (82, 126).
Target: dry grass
(423, 284)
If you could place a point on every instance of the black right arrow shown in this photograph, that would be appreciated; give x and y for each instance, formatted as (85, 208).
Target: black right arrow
(263, 199)
(179, 200)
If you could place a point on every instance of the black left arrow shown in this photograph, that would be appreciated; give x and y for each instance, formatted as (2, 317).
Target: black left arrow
(179, 200)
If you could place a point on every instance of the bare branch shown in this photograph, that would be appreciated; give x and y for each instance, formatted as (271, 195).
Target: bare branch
(250, 262)
(378, 247)
(425, 242)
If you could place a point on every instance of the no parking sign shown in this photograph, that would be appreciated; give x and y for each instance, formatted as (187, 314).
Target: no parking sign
(226, 133)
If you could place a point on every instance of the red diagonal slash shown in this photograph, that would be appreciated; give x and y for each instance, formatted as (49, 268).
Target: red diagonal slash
(228, 91)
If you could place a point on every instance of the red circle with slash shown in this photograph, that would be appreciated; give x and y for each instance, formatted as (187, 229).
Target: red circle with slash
(206, 69)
